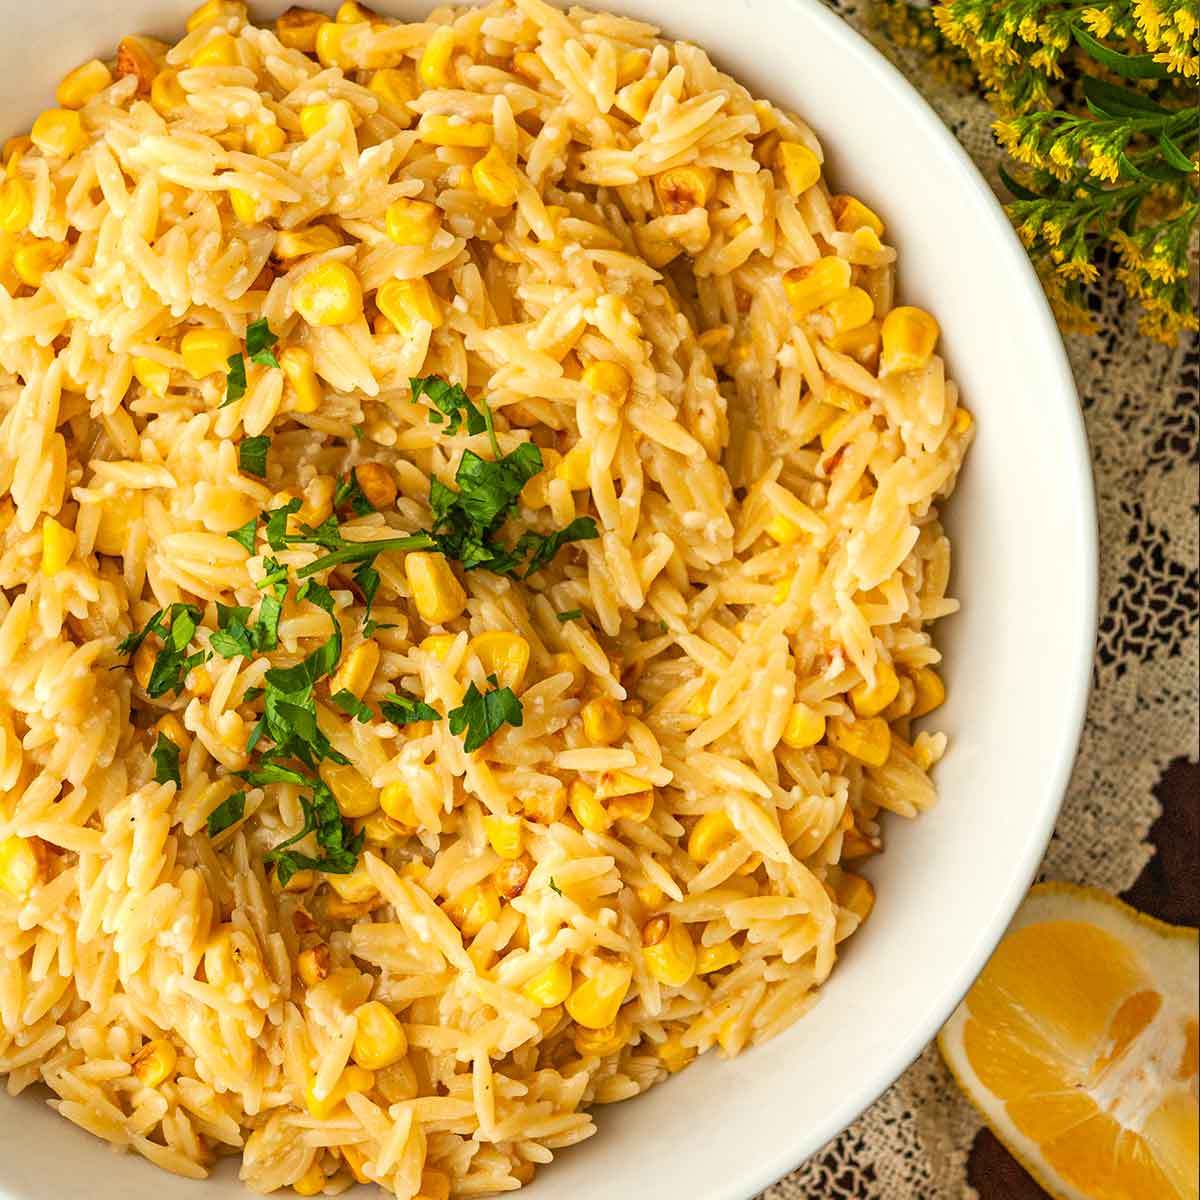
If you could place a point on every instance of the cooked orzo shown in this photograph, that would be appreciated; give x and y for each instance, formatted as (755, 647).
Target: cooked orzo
(469, 535)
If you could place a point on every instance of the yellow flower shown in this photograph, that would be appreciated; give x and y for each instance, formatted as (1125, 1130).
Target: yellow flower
(1097, 22)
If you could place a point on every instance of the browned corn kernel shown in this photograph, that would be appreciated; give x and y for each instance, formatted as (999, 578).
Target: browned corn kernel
(302, 922)
(377, 483)
(545, 807)
(510, 878)
(135, 56)
(655, 930)
(312, 965)
(297, 28)
(681, 189)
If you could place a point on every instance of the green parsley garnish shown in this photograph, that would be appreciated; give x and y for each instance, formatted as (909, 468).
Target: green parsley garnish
(352, 706)
(236, 636)
(482, 713)
(244, 535)
(402, 709)
(570, 614)
(554, 887)
(228, 812)
(175, 626)
(252, 455)
(349, 493)
(166, 760)
(259, 340)
(451, 404)
(235, 379)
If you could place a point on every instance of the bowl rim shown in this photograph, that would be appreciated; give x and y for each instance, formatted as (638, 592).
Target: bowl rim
(1077, 688)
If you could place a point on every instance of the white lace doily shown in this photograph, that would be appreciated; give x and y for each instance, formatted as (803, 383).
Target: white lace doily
(1142, 412)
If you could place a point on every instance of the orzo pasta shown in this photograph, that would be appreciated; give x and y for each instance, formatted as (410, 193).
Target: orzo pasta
(468, 540)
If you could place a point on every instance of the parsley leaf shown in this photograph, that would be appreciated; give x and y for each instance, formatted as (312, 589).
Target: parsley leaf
(352, 706)
(349, 492)
(546, 546)
(554, 887)
(166, 761)
(229, 812)
(252, 455)
(368, 580)
(244, 535)
(277, 519)
(482, 713)
(176, 626)
(259, 340)
(236, 636)
(235, 380)
(402, 709)
(451, 402)
(571, 614)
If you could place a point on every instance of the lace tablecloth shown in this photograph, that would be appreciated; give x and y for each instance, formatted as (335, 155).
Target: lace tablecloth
(1141, 407)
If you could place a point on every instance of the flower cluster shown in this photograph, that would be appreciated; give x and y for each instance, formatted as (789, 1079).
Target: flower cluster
(1097, 106)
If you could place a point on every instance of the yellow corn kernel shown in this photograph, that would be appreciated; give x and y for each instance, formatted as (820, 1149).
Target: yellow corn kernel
(607, 378)
(575, 467)
(435, 1185)
(117, 516)
(588, 811)
(14, 150)
(167, 94)
(505, 655)
(930, 691)
(856, 894)
(549, 987)
(716, 958)
(218, 51)
(869, 700)
(391, 86)
(710, 835)
(58, 543)
(22, 865)
(495, 180)
(620, 783)
(351, 789)
(265, 138)
(436, 129)
(352, 1079)
(472, 909)
(962, 419)
(671, 957)
(851, 310)
(851, 214)
(33, 260)
(601, 1043)
(172, 728)
(631, 66)
(782, 529)
(438, 644)
(350, 13)
(379, 1041)
(155, 1062)
(869, 740)
(136, 57)
(681, 189)
(207, 351)
(312, 965)
(635, 807)
(634, 99)
(329, 294)
(297, 28)
(909, 336)
(567, 663)
(58, 133)
(438, 595)
(16, 204)
(314, 118)
(505, 835)
(77, 87)
(595, 1002)
(356, 672)
(804, 727)
(311, 1183)
(813, 286)
(406, 302)
(674, 1055)
(312, 239)
(831, 431)
(245, 207)
(801, 167)
(412, 222)
(298, 369)
(396, 801)
(603, 721)
(434, 66)
(861, 344)
(377, 484)
(650, 895)
(215, 10)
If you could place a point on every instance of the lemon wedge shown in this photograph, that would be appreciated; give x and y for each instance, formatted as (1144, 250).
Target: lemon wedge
(1078, 1046)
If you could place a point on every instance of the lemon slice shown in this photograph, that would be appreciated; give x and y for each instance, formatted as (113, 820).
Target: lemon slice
(1078, 1045)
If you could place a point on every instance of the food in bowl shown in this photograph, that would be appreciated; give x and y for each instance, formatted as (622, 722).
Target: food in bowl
(470, 540)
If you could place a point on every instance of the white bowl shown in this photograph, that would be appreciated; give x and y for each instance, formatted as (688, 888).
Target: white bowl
(1017, 657)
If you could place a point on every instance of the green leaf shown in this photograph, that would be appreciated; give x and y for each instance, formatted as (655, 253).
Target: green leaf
(451, 400)
(244, 535)
(349, 492)
(368, 580)
(176, 626)
(259, 340)
(554, 887)
(571, 614)
(545, 547)
(321, 816)
(352, 706)
(1110, 101)
(235, 379)
(229, 812)
(277, 519)
(482, 713)
(252, 455)
(402, 709)
(266, 628)
(1174, 154)
(166, 761)
(1128, 66)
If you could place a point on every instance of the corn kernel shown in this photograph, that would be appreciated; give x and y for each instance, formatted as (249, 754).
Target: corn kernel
(58, 543)
(351, 789)
(311, 1183)
(351, 13)
(602, 1043)
(377, 484)
(710, 835)
(566, 663)
(681, 189)
(674, 1055)
(291, 244)
(79, 86)
(438, 595)
(215, 10)
(588, 811)
(549, 987)
(861, 344)
(494, 178)
(804, 727)
(352, 1079)
(207, 351)
(607, 378)
(380, 1040)
(962, 420)
(265, 138)
(172, 728)
(632, 66)
(546, 805)
(314, 118)
(438, 645)
(595, 1002)
(650, 895)
(434, 66)
(167, 94)
(407, 302)
(716, 957)
(134, 57)
(356, 672)
(869, 740)
(505, 655)
(930, 691)
(392, 87)
(312, 965)
(869, 700)
(851, 310)
(297, 28)
(813, 286)
(218, 51)
(474, 908)
(16, 204)
(575, 468)
(33, 260)
(782, 529)
(245, 207)
(603, 721)
(909, 336)
(297, 364)
(22, 865)
(511, 876)
(329, 294)
(851, 215)
(856, 894)
(634, 99)
(505, 835)
(155, 1062)
(671, 957)
(396, 801)
(412, 222)
(58, 133)
(438, 130)
(801, 167)
(435, 1185)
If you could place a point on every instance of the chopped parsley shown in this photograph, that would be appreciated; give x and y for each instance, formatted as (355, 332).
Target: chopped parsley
(252, 455)
(402, 709)
(554, 887)
(236, 636)
(229, 812)
(175, 625)
(259, 340)
(349, 493)
(352, 706)
(245, 535)
(482, 713)
(451, 403)
(166, 761)
(570, 614)
(235, 379)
